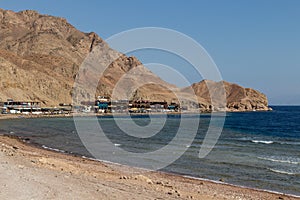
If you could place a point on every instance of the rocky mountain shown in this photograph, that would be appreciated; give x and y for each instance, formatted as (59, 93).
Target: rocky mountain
(41, 56)
(238, 98)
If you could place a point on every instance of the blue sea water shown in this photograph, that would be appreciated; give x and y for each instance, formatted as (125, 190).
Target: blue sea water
(255, 149)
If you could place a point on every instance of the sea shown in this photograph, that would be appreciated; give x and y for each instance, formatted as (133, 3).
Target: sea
(254, 149)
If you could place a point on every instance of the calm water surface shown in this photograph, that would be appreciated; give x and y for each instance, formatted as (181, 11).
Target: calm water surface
(256, 149)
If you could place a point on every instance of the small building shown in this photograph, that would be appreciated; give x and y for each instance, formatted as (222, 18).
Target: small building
(102, 104)
(21, 107)
(173, 107)
(139, 106)
(158, 106)
(119, 106)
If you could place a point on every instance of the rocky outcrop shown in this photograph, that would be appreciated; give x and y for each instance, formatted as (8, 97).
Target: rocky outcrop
(237, 97)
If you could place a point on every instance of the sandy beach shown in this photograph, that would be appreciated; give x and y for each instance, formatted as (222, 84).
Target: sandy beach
(29, 172)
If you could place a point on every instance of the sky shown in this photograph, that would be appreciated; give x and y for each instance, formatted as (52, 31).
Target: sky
(254, 43)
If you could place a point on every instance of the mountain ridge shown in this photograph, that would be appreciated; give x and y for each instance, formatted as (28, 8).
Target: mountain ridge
(41, 55)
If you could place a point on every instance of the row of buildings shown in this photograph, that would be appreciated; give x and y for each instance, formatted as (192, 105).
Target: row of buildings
(101, 105)
(16, 107)
(31, 107)
(104, 105)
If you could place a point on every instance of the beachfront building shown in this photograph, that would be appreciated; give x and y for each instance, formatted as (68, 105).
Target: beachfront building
(173, 107)
(21, 107)
(142, 106)
(86, 107)
(106, 105)
(63, 108)
(158, 106)
(119, 106)
(102, 104)
(139, 106)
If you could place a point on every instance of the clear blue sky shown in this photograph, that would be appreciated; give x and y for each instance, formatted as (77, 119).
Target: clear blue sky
(254, 43)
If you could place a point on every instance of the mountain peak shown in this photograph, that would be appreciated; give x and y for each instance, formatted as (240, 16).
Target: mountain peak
(41, 55)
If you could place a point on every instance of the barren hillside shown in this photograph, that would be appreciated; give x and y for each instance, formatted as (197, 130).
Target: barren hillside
(41, 55)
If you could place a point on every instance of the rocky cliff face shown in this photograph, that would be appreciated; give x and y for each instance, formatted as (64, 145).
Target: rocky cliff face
(40, 57)
(238, 98)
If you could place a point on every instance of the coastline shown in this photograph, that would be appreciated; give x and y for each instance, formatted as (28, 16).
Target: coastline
(16, 116)
(55, 173)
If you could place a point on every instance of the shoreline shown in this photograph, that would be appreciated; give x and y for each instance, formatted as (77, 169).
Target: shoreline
(148, 170)
(32, 116)
(241, 186)
(163, 172)
(164, 184)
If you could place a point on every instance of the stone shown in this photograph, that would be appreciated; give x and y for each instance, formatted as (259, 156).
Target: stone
(160, 183)
(143, 178)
